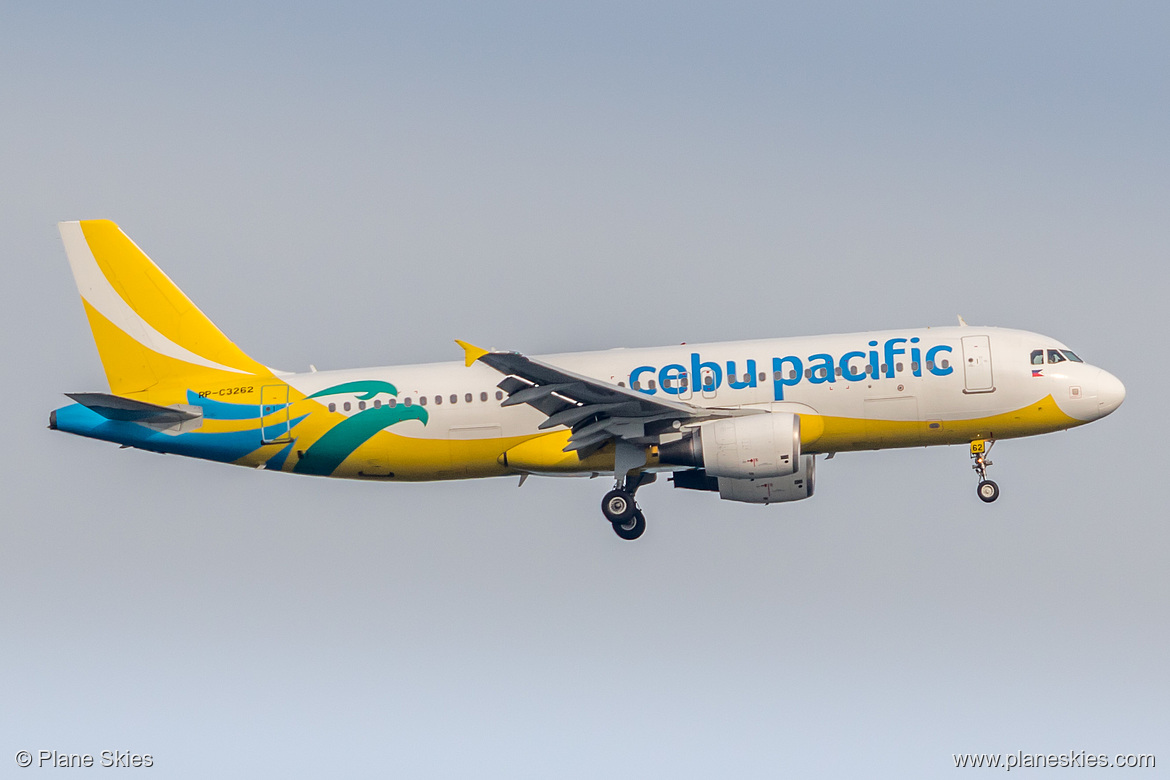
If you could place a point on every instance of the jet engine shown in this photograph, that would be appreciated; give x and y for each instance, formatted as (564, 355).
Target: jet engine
(750, 447)
(772, 490)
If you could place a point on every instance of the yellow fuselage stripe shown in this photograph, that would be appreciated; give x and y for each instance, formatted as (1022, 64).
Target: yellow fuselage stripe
(392, 456)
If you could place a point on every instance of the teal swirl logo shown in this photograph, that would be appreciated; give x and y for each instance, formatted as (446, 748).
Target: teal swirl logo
(339, 442)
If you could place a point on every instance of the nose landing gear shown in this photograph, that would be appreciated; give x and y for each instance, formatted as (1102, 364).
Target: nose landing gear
(620, 509)
(987, 490)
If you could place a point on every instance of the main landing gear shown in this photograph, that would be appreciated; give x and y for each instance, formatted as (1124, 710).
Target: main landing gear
(988, 491)
(622, 511)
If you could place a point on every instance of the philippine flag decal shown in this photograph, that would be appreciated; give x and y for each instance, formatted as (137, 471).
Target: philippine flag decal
(1037, 372)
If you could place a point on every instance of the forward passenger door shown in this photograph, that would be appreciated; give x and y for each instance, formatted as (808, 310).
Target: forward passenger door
(977, 375)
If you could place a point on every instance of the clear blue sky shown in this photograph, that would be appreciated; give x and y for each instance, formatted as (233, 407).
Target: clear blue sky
(359, 184)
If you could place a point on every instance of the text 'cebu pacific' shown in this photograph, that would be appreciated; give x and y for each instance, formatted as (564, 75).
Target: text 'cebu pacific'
(818, 368)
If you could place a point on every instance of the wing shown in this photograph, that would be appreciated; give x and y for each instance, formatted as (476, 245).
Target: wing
(594, 410)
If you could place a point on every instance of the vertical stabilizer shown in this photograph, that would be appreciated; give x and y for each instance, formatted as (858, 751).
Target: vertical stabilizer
(149, 335)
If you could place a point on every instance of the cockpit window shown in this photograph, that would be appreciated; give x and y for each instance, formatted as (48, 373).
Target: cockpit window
(1068, 353)
(1037, 357)
(1054, 356)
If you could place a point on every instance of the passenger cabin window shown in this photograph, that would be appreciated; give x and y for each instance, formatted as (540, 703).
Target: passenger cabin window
(345, 406)
(406, 401)
(763, 376)
(392, 403)
(422, 399)
(438, 400)
(1068, 353)
(1037, 357)
(1054, 356)
(467, 397)
(483, 396)
(454, 398)
(333, 407)
(499, 395)
(361, 404)
(377, 403)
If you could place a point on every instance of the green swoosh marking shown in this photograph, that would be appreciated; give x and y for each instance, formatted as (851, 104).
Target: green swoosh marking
(367, 387)
(327, 453)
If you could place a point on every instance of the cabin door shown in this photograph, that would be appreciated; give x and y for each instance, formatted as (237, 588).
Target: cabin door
(274, 428)
(977, 376)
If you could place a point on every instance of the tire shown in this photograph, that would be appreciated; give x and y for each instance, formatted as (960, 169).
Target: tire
(618, 506)
(988, 491)
(632, 528)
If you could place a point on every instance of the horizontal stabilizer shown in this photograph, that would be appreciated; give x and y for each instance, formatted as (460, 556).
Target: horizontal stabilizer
(115, 407)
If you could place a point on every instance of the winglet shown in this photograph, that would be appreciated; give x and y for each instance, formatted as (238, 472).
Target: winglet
(471, 353)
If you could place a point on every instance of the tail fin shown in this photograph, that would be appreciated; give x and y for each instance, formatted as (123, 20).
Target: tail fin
(148, 333)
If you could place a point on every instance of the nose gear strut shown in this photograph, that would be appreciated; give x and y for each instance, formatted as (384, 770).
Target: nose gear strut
(987, 490)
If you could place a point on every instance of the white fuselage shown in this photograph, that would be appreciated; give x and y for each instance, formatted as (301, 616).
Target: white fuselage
(949, 376)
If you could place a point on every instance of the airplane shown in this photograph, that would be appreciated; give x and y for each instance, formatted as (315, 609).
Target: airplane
(744, 419)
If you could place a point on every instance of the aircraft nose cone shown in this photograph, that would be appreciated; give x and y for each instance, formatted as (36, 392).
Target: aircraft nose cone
(1110, 393)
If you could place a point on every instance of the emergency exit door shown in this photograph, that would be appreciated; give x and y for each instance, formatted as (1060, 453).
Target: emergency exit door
(977, 374)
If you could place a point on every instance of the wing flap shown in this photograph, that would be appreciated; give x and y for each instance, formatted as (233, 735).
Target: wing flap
(575, 414)
(596, 411)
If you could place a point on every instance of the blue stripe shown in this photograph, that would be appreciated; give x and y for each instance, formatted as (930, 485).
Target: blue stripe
(224, 447)
(222, 410)
(276, 462)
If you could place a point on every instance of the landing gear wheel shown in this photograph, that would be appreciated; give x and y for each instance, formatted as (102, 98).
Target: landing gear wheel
(618, 506)
(988, 491)
(632, 527)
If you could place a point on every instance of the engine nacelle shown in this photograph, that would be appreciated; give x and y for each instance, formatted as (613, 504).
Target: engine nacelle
(754, 446)
(775, 490)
